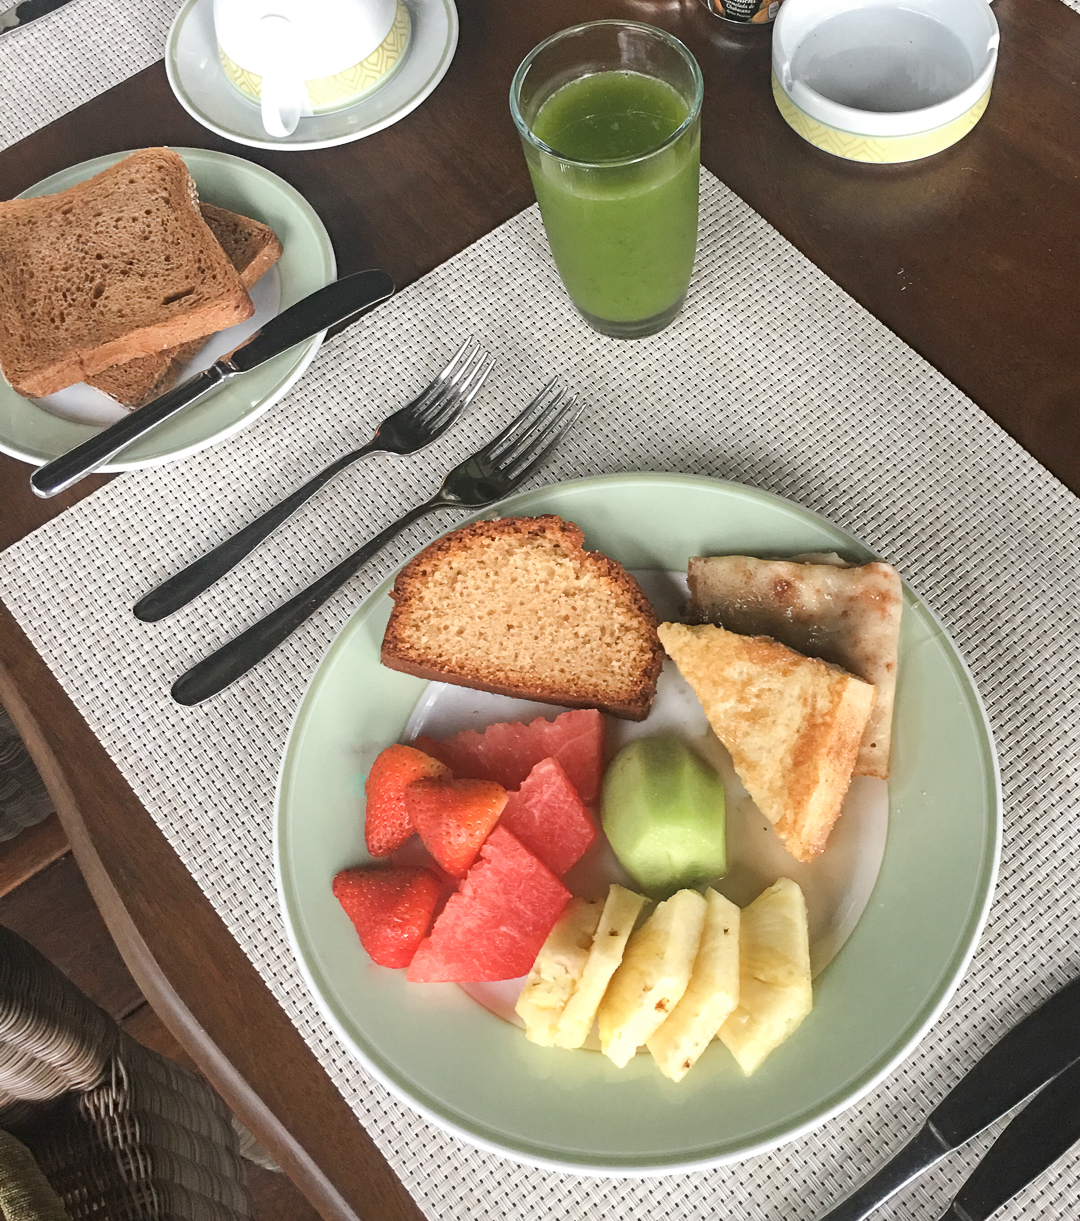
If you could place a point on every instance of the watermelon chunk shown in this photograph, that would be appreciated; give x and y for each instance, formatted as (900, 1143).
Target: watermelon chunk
(508, 752)
(495, 924)
(549, 817)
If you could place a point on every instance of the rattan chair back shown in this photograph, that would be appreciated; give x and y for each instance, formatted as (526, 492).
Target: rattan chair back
(121, 1133)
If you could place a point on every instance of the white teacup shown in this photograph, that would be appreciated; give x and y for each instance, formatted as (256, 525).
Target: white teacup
(297, 57)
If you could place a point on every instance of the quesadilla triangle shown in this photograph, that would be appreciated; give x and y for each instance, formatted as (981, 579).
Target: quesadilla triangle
(791, 723)
(846, 615)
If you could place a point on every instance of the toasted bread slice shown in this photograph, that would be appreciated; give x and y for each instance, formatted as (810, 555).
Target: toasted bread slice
(849, 616)
(118, 266)
(792, 724)
(140, 381)
(253, 248)
(518, 607)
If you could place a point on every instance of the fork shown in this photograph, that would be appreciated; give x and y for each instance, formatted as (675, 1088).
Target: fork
(487, 476)
(415, 425)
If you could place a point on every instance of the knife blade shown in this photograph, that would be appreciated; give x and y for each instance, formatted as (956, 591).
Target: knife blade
(18, 16)
(1033, 1052)
(342, 300)
(1045, 1129)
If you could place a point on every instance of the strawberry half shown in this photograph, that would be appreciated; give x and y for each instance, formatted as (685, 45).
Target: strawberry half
(391, 908)
(387, 824)
(454, 817)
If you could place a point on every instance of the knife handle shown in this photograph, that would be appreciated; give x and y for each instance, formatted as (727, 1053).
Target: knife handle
(1045, 1129)
(200, 574)
(239, 655)
(59, 474)
(924, 1150)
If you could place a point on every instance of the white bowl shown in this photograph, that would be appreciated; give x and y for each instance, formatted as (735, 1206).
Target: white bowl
(885, 81)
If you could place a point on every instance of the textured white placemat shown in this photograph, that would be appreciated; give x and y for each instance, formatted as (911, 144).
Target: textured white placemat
(61, 60)
(771, 376)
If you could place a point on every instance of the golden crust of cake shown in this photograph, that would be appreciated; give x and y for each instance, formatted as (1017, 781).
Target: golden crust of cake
(119, 266)
(846, 615)
(792, 724)
(517, 606)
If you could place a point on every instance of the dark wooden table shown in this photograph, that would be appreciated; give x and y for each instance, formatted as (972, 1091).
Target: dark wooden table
(972, 257)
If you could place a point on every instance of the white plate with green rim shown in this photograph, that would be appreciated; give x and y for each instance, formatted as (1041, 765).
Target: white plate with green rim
(34, 434)
(478, 1076)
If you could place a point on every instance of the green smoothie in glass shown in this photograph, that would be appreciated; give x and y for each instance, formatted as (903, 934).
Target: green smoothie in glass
(614, 156)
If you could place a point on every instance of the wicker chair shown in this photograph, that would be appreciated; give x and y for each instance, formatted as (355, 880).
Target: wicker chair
(120, 1133)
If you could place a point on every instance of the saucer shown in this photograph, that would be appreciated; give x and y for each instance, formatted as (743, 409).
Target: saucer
(199, 82)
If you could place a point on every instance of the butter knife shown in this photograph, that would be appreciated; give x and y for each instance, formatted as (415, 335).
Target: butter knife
(1032, 1053)
(337, 302)
(1045, 1129)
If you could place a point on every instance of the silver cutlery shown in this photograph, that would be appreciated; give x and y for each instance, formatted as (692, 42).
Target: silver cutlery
(415, 425)
(490, 474)
(1033, 1052)
(342, 301)
(1044, 1130)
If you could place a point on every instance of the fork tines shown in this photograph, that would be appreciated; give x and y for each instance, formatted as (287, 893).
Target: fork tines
(453, 389)
(546, 420)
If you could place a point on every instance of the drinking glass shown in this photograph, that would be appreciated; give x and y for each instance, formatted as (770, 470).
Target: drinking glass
(609, 115)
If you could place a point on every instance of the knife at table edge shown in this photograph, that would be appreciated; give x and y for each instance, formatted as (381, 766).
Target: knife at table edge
(1033, 1052)
(341, 301)
(1045, 1129)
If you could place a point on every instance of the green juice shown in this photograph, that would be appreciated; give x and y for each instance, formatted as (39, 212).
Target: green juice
(623, 227)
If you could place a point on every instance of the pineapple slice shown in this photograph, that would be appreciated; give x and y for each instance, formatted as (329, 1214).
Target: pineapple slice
(557, 970)
(774, 975)
(620, 912)
(713, 992)
(652, 977)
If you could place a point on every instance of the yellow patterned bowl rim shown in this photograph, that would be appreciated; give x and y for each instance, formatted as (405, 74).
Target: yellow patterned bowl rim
(342, 88)
(855, 146)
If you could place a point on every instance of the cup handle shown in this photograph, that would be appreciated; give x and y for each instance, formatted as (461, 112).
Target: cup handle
(282, 103)
(283, 96)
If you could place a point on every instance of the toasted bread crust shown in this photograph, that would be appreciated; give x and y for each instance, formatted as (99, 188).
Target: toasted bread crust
(517, 607)
(792, 724)
(252, 248)
(116, 267)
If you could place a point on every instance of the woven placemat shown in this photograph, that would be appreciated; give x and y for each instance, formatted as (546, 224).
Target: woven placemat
(771, 376)
(61, 60)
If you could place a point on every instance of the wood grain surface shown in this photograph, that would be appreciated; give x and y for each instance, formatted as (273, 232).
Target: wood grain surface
(972, 257)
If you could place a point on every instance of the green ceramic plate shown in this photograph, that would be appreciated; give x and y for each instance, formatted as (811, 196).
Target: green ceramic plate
(478, 1076)
(307, 263)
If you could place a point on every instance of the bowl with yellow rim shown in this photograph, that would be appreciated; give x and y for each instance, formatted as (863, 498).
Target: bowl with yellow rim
(883, 81)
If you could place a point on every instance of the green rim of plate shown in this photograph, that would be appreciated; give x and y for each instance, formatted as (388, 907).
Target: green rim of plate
(479, 1077)
(307, 263)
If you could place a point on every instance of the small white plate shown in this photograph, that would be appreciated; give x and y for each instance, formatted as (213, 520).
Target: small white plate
(38, 431)
(200, 85)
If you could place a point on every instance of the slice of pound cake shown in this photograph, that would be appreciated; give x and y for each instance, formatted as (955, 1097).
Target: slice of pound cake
(518, 607)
